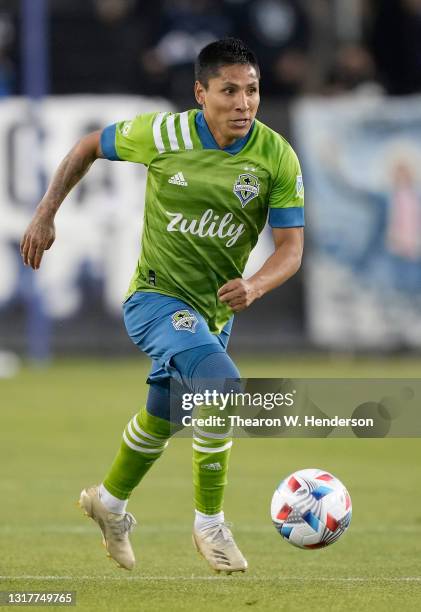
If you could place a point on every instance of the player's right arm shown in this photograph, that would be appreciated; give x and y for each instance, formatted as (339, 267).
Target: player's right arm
(136, 141)
(40, 233)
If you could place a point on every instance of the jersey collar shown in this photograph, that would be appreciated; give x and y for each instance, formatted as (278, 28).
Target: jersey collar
(209, 142)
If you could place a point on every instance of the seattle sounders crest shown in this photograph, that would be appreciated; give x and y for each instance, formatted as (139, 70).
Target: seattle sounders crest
(246, 187)
(184, 320)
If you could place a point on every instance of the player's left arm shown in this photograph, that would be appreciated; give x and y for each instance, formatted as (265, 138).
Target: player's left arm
(284, 262)
(286, 217)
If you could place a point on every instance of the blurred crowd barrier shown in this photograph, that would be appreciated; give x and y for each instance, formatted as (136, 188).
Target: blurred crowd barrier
(82, 281)
(361, 282)
(362, 163)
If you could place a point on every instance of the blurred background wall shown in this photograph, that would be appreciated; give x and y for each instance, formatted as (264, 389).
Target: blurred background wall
(340, 79)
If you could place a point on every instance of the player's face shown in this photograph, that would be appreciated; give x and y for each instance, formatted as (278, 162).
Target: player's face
(230, 102)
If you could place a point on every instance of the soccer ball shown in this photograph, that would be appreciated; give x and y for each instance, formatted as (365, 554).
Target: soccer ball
(311, 508)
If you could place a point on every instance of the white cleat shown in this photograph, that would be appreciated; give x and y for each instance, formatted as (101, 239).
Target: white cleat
(217, 546)
(115, 527)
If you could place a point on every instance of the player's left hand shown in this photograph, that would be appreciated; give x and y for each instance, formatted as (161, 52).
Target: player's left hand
(238, 294)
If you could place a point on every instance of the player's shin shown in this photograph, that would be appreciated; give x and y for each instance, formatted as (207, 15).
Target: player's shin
(211, 536)
(144, 440)
(210, 468)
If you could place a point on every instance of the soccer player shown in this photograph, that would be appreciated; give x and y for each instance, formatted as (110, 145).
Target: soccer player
(214, 176)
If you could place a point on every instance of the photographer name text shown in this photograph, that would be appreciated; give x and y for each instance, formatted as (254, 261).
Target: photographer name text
(234, 420)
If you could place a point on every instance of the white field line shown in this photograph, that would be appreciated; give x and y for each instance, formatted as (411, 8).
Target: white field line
(198, 578)
(90, 528)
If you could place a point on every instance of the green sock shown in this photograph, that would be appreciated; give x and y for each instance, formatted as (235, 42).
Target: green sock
(211, 452)
(144, 440)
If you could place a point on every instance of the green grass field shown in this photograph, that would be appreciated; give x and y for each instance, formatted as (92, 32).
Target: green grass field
(59, 430)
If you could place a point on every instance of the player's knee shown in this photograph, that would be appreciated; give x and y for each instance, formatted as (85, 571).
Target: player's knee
(158, 401)
(165, 402)
(203, 368)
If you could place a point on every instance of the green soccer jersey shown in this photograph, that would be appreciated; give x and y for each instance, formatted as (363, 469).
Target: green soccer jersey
(205, 207)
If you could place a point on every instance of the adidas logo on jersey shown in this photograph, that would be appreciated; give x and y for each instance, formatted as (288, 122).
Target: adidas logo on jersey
(178, 179)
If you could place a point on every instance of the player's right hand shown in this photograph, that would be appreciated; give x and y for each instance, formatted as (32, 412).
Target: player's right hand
(39, 236)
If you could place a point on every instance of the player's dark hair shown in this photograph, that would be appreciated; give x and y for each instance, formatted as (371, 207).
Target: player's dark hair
(225, 52)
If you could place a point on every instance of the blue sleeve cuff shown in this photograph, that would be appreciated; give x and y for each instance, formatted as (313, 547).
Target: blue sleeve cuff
(108, 143)
(287, 217)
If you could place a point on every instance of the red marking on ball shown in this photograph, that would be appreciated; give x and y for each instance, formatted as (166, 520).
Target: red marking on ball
(284, 512)
(331, 522)
(293, 484)
(324, 477)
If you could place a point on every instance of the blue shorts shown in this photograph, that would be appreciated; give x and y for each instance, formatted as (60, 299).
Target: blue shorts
(163, 326)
